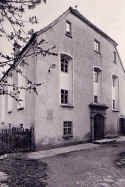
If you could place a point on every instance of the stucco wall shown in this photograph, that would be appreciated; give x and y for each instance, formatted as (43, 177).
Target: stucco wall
(24, 116)
(80, 48)
(44, 111)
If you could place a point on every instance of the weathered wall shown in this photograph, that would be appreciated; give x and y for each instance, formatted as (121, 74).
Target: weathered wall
(49, 112)
(24, 116)
(45, 111)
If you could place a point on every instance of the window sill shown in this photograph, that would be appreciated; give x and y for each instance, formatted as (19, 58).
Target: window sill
(66, 137)
(68, 34)
(67, 106)
(115, 110)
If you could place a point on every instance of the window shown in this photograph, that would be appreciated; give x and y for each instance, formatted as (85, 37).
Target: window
(68, 29)
(96, 76)
(96, 84)
(97, 46)
(21, 90)
(64, 64)
(66, 80)
(114, 57)
(114, 79)
(113, 104)
(3, 109)
(64, 96)
(115, 92)
(10, 90)
(95, 99)
(67, 129)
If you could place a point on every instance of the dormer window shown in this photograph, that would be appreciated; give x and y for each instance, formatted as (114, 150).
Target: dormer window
(68, 29)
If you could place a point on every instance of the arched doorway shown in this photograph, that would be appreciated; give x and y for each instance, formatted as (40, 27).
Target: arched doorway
(98, 126)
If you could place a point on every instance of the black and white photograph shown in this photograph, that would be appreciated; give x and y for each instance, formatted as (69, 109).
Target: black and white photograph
(62, 93)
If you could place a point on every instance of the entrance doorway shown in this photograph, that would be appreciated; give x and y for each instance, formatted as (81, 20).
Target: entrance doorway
(98, 126)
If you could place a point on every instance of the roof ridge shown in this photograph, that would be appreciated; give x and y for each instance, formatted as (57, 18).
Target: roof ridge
(80, 16)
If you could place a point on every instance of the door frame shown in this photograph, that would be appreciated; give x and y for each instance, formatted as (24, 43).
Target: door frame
(99, 127)
(96, 109)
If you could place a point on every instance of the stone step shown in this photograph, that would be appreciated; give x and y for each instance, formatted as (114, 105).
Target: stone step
(105, 141)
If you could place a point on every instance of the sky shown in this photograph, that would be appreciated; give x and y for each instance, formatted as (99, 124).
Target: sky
(109, 16)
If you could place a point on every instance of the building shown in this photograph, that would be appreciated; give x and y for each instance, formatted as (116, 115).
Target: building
(82, 95)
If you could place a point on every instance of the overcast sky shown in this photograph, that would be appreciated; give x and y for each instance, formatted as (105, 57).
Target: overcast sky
(108, 15)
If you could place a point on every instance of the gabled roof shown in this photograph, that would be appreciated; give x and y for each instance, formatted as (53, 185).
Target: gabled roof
(76, 13)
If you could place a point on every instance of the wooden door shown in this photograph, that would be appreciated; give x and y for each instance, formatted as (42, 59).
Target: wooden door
(98, 127)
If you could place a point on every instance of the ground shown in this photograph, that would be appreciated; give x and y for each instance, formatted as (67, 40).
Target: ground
(100, 167)
(103, 166)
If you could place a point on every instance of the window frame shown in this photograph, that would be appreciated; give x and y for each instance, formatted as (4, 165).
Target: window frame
(64, 96)
(113, 104)
(97, 81)
(68, 28)
(21, 83)
(10, 89)
(64, 64)
(97, 46)
(114, 57)
(95, 98)
(67, 129)
(115, 85)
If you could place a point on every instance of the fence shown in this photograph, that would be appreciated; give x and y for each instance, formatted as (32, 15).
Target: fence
(18, 139)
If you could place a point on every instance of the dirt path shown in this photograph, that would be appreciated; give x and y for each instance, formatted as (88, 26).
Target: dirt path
(89, 168)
